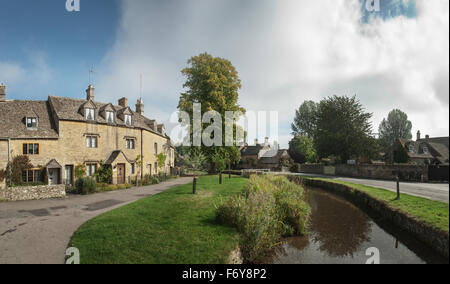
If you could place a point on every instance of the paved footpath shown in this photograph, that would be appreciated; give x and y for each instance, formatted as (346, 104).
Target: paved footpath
(433, 191)
(39, 231)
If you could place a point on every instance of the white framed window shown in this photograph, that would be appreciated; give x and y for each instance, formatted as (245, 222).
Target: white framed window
(130, 144)
(110, 117)
(128, 120)
(90, 114)
(411, 148)
(425, 150)
(32, 122)
(91, 142)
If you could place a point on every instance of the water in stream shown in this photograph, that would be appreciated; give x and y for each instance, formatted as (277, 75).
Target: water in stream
(339, 232)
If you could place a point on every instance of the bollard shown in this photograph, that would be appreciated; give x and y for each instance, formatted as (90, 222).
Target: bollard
(194, 185)
(398, 188)
(220, 178)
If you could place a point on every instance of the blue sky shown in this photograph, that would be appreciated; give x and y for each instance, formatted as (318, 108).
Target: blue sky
(35, 32)
(286, 52)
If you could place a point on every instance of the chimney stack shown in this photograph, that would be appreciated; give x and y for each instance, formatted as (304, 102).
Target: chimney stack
(140, 107)
(123, 102)
(2, 93)
(418, 135)
(427, 137)
(90, 93)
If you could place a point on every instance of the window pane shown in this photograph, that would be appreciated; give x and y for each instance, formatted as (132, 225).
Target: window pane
(88, 141)
(30, 176)
(36, 176)
(94, 142)
(36, 149)
(24, 176)
(30, 149)
(25, 149)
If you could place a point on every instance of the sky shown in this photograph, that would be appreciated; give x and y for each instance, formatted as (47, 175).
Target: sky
(286, 52)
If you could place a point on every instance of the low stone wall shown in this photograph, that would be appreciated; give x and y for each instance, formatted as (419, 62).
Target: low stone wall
(435, 238)
(311, 168)
(388, 172)
(33, 192)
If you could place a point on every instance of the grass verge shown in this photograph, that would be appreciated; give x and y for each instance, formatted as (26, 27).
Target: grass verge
(173, 227)
(432, 212)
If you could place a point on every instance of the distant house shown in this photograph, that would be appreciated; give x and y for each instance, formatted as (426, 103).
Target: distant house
(425, 151)
(262, 156)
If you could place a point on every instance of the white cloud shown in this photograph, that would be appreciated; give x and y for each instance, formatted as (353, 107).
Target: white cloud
(287, 51)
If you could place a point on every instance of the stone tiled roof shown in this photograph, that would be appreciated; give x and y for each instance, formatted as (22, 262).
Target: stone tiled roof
(251, 150)
(273, 156)
(437, 148)
(69, 109)
(13, 115)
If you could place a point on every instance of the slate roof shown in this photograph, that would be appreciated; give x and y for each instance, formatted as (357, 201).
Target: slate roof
(251, 150)
(438, 148)
(272, 156)
(13, 115)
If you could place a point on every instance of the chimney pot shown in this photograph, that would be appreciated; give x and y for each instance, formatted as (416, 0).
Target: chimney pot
(90, 93)
(2, 93)
(140, 107)
(123, 102)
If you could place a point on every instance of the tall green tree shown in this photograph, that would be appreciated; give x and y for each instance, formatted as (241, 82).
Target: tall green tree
(305, 119)
(343, 128)
(213, 82)
(301, 149)
(395, 126)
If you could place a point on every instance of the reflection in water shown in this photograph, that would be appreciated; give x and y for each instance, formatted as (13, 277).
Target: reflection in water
(329, 217)
(339, 232)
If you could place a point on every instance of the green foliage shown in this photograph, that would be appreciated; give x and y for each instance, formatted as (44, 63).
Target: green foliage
(305, 119)
(219, 162)
(161, 157)
(80, 171)
(86, 185)
(195, 160)
(401, 155)
(301, 149)
(13, 172)
(396, 126)
(104, 173)
(270, 208)
(343, 128)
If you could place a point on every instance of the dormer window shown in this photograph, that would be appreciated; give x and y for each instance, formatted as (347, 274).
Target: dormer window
(32, 122)
(128, 119)
(425, 150)
(90, 114)
(110, 117)
(411, 148)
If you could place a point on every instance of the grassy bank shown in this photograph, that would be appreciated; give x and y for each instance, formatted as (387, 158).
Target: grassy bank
(270, 208)
(174, 226)
(432, 212)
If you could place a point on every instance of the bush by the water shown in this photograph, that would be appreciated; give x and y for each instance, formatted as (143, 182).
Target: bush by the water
(86, 185)
(270, 208)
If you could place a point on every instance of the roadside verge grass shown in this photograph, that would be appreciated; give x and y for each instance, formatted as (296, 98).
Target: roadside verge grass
(173, 227)
(429, 211)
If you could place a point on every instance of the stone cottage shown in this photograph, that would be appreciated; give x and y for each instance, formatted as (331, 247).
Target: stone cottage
(60, 133)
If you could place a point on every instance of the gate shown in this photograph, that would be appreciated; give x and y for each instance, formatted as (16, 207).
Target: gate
(438, 173)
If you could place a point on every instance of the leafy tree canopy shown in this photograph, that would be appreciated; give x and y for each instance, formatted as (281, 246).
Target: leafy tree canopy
(305, 119)
(301, 149)
(343, 128)
(394, 127)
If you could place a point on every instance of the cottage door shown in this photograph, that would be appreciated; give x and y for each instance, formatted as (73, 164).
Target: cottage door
(120, 173)
(53, 176)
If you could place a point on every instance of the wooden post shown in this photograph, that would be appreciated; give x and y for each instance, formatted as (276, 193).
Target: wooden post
(398, 188)
(194, 185)
(220, 178)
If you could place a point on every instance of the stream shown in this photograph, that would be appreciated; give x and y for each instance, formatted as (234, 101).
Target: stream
(340, 233)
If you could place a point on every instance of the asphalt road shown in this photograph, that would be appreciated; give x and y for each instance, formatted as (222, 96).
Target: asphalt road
(39, 231)
(433, 191)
